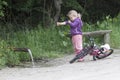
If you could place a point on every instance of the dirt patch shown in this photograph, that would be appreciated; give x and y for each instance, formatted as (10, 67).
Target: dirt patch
(58, 61)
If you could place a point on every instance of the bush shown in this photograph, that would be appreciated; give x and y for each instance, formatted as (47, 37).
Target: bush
(7, 56)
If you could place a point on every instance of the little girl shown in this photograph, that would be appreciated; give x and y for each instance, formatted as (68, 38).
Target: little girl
(76, 24)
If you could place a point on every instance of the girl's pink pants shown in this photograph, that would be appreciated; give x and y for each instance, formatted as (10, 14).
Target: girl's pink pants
(77, 43)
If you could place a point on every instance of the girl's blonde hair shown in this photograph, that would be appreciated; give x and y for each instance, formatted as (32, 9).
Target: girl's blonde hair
(74, 13)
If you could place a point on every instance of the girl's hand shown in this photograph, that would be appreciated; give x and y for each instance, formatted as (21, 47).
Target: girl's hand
(69, 21)
(58, 23)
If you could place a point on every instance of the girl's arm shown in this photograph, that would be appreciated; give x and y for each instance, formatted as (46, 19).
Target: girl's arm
(61, 23)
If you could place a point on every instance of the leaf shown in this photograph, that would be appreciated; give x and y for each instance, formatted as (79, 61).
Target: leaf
(4, 3)
(1, 13)
(65, 43)
(61, 34)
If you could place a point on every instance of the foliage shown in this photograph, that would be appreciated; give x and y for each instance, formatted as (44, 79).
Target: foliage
(96, 11)
(42, 42)
(114, 25)
(35, 12)
(2, 4)
(107, 24)
(2, 53)
(72, 4)
(7, 56)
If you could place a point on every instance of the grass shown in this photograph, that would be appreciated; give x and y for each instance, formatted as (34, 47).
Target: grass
(44, 43)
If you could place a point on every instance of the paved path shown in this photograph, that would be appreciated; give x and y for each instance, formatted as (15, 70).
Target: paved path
(105, 69)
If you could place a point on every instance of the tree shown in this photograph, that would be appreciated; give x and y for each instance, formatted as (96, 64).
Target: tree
(47, 12)
(57, 4)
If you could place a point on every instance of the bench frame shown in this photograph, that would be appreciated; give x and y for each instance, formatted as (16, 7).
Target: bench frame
(105, 33)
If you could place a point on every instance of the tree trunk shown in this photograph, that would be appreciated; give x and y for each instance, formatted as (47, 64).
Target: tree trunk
(57, 4)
